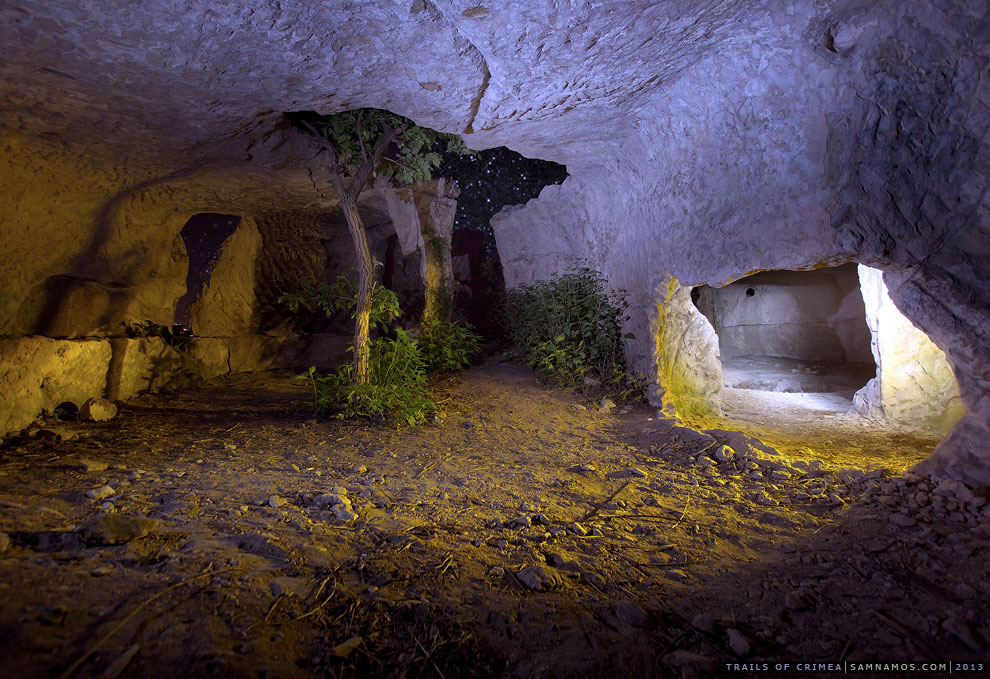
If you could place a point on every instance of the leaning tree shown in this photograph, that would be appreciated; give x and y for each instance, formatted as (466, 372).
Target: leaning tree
(359, 145)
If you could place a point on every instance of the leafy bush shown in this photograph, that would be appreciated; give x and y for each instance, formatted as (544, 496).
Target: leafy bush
(396, 387)
(342, 294)
(569, 330)
(446, 346)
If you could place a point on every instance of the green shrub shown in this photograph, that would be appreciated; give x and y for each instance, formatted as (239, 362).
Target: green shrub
(570, 330)
(342, 294)
(446, 346)
(395, 391)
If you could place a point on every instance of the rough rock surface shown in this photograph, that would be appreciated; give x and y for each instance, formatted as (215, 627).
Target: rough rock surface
(141, 364)
(37, 374)
(915, 385)
(687, 356)
(228, 304)
(704, 140)
(98, 410)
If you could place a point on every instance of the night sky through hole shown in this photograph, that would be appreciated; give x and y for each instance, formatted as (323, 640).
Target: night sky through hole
(493, 179)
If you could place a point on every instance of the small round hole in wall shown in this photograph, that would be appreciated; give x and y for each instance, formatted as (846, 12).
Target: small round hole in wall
(750, 292)
(67, 411)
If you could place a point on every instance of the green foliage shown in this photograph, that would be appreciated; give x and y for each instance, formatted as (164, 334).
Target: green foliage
(395, 391)
(354, 134)
(446, 346)
(342, 294)
(569, 330)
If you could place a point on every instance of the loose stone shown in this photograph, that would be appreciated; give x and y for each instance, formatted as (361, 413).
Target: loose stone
(737, 642)
(101, 493)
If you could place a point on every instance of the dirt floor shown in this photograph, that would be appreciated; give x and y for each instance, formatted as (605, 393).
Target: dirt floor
(224, 532)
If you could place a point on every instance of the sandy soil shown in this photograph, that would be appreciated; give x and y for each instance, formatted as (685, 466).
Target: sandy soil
(529, 535)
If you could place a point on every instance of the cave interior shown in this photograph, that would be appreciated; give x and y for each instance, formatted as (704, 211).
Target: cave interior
(779, 464)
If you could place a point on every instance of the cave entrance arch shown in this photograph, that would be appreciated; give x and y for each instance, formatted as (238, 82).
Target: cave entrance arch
(801, 332)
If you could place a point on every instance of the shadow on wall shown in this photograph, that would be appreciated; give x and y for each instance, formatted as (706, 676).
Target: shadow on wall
(98, 289)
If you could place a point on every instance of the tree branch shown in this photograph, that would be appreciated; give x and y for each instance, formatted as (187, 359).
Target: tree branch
(361, 177)
(399, 163)
(360, 136)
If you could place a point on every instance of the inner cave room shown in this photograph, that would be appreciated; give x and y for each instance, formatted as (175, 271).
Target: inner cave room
(526, 339)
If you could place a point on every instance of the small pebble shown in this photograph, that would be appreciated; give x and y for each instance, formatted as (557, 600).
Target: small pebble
(101, 493)
(704, 621)
(902, 520)
(738, 642)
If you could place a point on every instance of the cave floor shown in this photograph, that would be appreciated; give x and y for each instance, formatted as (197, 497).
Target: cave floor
(528, 536)
(776, 374)
(821, 426)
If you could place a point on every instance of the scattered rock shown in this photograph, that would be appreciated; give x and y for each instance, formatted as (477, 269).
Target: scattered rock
(4, 542)
(359, 469)
(797, 599)
(344, 513)
(956, 489)
(115, 529)
(337, 497)
(902, 520)
(98, 410)
(345, 649)
(593, 579)
(737, 642)
(523, 521)
(93, 465)
(631, 473)
(704, 621)
(677, 575)
(630, 613)
(277, 501)
(761, 498)
(724, 454)
(578, 529)
(538, 578)
(101, 493)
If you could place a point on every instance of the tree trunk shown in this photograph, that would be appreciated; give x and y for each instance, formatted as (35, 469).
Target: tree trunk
(365, 282)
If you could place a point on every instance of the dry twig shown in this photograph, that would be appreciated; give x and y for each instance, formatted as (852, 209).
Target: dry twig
(94, 647)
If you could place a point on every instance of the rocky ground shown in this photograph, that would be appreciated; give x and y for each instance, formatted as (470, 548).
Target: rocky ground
(224, 532)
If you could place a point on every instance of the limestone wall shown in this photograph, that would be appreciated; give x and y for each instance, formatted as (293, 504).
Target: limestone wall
(857, 136)
(804, 315)
(914, 385)
(38, 373)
